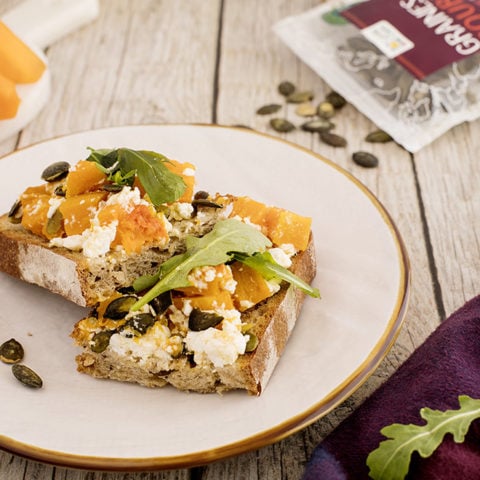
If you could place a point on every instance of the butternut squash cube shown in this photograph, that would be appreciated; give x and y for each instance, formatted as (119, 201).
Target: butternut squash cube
(35, 212)
(187, 172)
(78, 211)
(291, 229)
(251, 287)
(84, 177)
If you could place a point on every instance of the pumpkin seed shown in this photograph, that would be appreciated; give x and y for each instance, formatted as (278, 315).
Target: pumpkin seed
(118, 308)
(337, 100)
(205, 203)
(201, 195)
(286, 88)
(365, 159)
(11, 351)
(54, 223)
(306, 110)
(60, 190)
(162, 302)
(281, 125)
(252, 343)
(140, 323)
(300, 97)
(15, 213)
(325, 110)
(199, 320)
(56, 171)
(378, 136)
(26, 376)
(112, 187)
(317, 125)
(333, 139)
(269, 109)
(101, 340)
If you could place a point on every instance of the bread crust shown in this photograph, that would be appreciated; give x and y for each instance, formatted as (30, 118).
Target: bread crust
(273, 321)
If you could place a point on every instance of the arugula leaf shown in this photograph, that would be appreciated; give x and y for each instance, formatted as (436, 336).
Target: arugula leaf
(265, 264)
(391, 460)
(214, 248)
(162, 185)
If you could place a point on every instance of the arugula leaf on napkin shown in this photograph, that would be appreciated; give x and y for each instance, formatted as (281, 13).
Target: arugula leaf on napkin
(121, 165)
(391, 460)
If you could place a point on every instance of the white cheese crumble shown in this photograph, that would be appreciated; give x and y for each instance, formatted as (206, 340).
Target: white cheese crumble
(94, 242)
(221, 347)
(281, 257)
(127, 198)
(54, 203)
(155, 345)
(181, 211)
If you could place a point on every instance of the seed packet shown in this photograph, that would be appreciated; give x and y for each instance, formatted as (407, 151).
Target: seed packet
(415, 79)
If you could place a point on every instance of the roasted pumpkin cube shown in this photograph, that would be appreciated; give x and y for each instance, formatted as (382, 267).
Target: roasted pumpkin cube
(187, 172)
(78, 211)
(251, 287)
(222, 300)
(35, 209)
(291, 229)
(209, 280)
(84, 177)
(137, 228)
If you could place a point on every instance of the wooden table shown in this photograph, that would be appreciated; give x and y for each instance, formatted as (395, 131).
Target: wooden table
(217, 61)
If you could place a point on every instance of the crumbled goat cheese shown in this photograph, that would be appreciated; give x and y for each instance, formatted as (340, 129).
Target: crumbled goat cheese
(189, 172)
(94, 242)
(127, 198)
(157, 345)
(54, 203)
(181, 210)
(281, 257)
(221, 347)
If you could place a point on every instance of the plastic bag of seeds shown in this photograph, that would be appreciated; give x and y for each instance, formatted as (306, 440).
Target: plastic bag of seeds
(413, 90)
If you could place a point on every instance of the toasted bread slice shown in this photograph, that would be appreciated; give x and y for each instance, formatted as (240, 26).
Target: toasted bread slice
(79, 279)
(271, 321)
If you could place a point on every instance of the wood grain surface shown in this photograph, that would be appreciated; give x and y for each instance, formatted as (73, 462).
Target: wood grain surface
(217, 61)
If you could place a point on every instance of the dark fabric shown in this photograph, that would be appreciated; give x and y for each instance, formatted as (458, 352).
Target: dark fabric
(445, 366)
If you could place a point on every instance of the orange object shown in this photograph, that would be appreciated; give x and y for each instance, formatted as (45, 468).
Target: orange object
(17, 61)
(78, 211)
(222, 299)
(251, 287)
(35, 212)
(9, 99)
(279, 225)
(135, 229)
(219, 282)
(187, 172)
(84, 177)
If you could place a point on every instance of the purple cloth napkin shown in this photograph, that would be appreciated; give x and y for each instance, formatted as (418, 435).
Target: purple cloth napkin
(445, 366)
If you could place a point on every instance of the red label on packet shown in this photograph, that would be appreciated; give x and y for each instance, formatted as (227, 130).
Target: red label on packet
(423, 36)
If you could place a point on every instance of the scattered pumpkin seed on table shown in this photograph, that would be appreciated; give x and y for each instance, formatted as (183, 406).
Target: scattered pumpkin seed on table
(306, 110)
(337, 100)
(300, 97)
(282, 125)
(325, 110)
(378, 136)
(286, 88)
(26, 376)
(333, 139)
(269, 109)
(11, 351)
(365, 159)
(317, 125)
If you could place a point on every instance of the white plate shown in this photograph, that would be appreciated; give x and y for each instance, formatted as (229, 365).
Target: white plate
(339, 340)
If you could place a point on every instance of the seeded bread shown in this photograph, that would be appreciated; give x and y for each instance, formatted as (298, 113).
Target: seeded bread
(81, 280)
(273, 321)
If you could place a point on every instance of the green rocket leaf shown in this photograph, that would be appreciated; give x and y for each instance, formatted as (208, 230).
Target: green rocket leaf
(214, 248)
(391, 460)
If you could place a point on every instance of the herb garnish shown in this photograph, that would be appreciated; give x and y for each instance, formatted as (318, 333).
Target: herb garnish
(391, 460)
(229, 240)
(122, 164)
